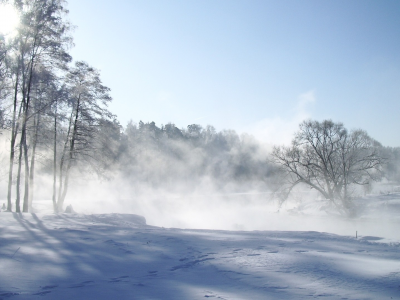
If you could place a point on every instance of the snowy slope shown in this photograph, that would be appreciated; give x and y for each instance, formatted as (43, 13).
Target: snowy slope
(118, 256)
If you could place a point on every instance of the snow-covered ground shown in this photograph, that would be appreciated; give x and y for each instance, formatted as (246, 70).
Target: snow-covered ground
(119, 256)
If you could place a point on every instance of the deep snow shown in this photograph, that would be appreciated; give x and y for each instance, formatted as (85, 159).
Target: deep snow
(118, 256)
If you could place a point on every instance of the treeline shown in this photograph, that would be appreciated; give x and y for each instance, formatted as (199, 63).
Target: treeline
(194, 157)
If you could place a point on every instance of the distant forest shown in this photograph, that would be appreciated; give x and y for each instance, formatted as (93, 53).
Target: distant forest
(54, 116)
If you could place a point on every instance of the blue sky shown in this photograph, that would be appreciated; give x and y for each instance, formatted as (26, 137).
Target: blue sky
(254, 66)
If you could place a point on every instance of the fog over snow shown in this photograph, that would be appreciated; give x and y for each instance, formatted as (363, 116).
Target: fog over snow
(120, 256)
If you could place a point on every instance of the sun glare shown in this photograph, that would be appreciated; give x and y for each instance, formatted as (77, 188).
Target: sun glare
(9, 19)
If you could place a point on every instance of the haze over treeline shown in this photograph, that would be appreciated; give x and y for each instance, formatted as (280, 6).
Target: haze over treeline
(56, 124)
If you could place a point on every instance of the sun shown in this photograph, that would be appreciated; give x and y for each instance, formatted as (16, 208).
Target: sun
(9, 19)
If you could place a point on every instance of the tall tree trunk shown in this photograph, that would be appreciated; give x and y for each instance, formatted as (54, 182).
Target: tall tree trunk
(61, 196)
(12, 146)
(32, 169)
(23, 132)
(26, 177)
(60, 187)
(24, 127)
(55, 161)
(65, 187)
(10, 175)
(18, 189)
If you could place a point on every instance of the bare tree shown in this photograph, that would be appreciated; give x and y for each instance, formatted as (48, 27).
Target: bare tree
(42, 39)
(88, 109)
(46, 94)
(329, 159)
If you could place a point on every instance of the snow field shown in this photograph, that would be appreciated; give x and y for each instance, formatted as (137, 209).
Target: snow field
(118, 256)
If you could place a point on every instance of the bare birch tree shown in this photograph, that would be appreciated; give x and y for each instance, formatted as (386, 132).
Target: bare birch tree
(42, 39)
(88, 107)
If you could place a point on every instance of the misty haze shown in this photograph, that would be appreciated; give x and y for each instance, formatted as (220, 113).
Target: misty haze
(190, 150)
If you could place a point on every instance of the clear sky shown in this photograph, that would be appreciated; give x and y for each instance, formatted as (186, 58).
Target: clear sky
(254, 66)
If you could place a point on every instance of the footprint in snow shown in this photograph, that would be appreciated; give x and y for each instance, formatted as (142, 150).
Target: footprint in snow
(114, 243)
(193, 250)
(190, 263)
(119, 279)
(42, 293)
(82, 284)
(212, 295)
(48, 287)
(139, 284)
(121, 246)
(153, 273)
(277, 287)
(126, 251)
(232, 272)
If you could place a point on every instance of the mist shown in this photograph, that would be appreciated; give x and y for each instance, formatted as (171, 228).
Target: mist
(68, 148)
(240, 211)
(237, 212)
(204, 179)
